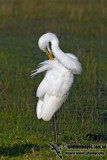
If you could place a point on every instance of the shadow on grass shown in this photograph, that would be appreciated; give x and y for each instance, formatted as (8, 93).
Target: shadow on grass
(18, 149)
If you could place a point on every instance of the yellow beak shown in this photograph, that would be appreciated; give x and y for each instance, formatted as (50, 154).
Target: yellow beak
(49, 55)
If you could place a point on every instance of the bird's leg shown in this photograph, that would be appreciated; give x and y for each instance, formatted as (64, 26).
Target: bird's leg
(54, 128)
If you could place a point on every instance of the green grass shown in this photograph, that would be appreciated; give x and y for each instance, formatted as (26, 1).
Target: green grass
(81, 28)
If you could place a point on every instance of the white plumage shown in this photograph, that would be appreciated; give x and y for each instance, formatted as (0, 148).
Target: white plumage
(60, 71)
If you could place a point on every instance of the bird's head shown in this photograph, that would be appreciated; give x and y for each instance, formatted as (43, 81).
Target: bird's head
(45, 43)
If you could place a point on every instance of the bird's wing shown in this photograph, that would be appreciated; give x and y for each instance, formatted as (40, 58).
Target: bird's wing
(56, 81)
(50, 106)
(53, 81)
(75, 65)
(43, 87)
(71, 55)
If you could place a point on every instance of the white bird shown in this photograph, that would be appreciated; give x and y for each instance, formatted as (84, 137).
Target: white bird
(60, 70)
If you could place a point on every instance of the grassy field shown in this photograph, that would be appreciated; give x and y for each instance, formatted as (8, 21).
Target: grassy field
(81, 28)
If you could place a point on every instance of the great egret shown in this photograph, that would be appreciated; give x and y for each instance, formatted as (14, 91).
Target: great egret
(60, 70)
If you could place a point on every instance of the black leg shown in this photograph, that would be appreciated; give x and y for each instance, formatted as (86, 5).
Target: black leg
(54, 128)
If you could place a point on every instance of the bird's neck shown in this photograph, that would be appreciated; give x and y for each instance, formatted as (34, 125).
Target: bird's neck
(59, 54)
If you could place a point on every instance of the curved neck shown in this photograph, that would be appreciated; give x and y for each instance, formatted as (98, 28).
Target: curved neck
(60, 55)
(68, 62)
(57, 52)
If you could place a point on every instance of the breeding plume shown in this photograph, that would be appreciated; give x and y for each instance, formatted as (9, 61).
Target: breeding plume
(60, 70)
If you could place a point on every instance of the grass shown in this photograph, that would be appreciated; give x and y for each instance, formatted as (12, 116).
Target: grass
(81, 28)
